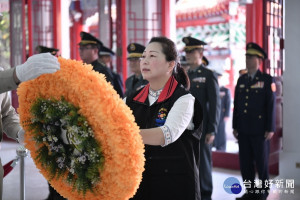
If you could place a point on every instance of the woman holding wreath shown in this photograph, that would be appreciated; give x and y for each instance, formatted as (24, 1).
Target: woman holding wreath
(170, 119)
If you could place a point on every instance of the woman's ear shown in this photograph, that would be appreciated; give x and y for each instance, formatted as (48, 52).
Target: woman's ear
(171, 65)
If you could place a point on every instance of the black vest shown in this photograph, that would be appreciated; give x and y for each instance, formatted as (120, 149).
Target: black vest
(171, 172)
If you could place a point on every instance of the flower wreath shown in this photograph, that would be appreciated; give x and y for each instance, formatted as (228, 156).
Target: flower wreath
(81, 135)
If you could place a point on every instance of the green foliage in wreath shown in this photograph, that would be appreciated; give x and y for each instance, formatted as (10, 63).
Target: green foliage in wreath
(67, 143)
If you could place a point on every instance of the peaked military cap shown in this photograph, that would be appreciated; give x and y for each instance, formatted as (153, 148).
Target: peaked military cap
(135, 50)
(87, 38)
(205, 61)
(104, 51)
(255, 50)
(192, 43)
(43, 49)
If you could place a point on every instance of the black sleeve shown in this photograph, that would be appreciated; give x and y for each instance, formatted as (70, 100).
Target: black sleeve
(227, 102)
(235, 107)
(118, 84)
(271, 104)
(213, 93)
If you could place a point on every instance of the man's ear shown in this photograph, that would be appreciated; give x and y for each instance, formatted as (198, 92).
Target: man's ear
(96, 51)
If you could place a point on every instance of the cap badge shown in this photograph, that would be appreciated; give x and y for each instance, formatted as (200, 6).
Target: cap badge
(132, 47)
(186, 40)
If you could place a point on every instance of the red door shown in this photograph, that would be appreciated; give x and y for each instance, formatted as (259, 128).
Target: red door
(273, 44)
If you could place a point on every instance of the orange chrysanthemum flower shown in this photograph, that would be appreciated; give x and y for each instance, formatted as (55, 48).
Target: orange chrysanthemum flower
(111, 120)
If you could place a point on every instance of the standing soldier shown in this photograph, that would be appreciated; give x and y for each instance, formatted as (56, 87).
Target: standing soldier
(89, 48)
(136, 81)
(225, 96)
(204, 86)
(254, 121)
(105, 57)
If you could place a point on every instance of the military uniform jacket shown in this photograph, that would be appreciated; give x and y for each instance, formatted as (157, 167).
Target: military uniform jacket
(254, 104)
(133, 84)
(118, 83)
(98, 67)
(171, 172)
(204, 86)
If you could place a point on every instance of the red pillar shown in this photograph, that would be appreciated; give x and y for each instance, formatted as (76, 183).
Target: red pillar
(29, 10)
(57, 24)
(165, 18)
(75, 33)
(122, 38)
(254, 22)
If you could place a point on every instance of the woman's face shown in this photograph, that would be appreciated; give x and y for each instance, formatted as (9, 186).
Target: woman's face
(154, 64)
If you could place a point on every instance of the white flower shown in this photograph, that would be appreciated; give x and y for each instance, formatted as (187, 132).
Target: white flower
(60, 159)
(82, 159)
(72, 162)
(61, 165)
(55, 139)
(72, 170)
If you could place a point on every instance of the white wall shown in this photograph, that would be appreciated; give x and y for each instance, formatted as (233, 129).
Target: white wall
(291, 94)
(65, 29)
(173, 20)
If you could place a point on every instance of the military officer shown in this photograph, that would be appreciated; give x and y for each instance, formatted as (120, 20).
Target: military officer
(135, 81)
(225, 96)
(105, 57)
(204, 86)
(89, 48)
(254, 121)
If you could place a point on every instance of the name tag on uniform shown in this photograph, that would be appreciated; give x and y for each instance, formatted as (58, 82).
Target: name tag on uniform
(259, 84)
(242, 86)
(200, 79)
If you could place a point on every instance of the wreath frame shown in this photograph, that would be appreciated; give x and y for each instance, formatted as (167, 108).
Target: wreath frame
(109, 117)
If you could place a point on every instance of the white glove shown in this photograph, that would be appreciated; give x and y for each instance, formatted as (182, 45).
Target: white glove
(20, 136)
(37, 65)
